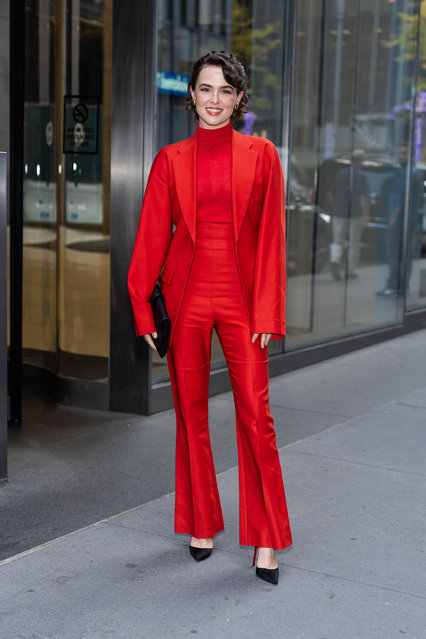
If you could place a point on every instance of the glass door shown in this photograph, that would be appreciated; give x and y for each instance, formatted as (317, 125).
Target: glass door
(66, 186)
(40, 187)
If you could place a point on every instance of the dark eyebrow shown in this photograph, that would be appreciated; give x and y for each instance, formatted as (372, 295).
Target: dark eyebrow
(225, 86)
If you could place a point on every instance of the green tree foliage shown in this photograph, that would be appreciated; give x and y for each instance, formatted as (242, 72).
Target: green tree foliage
(406, 41)
(254, 47)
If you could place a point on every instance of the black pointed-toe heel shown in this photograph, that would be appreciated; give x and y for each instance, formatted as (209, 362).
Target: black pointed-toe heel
(271, 575)
(199, 554)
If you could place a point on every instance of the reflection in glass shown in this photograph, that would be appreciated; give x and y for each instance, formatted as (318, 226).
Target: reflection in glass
(40, 187)
(66, 187)
(84, 232)
(416, 275)
(356, 209)
(254, 31)
(347, 135)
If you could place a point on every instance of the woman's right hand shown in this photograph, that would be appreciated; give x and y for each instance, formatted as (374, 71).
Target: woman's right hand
(149, 339)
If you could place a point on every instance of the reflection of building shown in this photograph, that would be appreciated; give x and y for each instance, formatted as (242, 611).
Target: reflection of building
(81, 203)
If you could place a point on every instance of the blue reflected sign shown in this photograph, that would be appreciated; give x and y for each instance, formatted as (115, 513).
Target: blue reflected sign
(172, 83)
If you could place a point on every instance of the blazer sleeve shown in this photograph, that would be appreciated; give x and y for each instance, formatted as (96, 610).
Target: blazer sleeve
(152, 241)
(269, 289)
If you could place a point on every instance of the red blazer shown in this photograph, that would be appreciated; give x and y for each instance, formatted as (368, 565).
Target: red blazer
(258, 218)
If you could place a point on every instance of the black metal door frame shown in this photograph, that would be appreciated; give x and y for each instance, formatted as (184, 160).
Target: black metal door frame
(17, 95)
(3, 316)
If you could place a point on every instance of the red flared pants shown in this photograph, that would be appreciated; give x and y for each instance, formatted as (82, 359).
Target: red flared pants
(214, 298)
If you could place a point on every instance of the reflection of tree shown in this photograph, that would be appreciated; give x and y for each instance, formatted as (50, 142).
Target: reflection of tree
(406, 41)
(254, 47)
(412, 26)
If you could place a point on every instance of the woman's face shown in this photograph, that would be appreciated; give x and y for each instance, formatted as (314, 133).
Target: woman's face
(215, 98)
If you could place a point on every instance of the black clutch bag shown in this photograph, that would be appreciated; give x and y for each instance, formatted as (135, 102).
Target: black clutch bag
(162, 321)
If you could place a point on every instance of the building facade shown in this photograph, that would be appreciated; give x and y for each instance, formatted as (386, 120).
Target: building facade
(98, 87)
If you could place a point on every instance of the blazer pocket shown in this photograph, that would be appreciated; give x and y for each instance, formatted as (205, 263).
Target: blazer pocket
(167, 274)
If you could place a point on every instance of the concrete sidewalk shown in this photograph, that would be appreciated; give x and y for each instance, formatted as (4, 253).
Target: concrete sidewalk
(356, 491)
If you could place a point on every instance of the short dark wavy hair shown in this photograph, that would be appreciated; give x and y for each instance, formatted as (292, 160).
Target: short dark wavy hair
(233, 72)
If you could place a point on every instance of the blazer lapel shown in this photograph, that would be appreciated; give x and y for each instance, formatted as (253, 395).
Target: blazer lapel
(184, 167)
(244, 159)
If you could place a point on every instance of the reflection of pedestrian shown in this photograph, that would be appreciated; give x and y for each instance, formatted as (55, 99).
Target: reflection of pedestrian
(349, 209)
(217, 187)
(393, 197)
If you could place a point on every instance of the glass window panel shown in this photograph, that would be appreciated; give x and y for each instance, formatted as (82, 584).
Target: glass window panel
(84, 230)
(382, 129)
(349, 135)
(416, 245)
(308, 227)
(66, 186)
(39, 316)
(252, 30)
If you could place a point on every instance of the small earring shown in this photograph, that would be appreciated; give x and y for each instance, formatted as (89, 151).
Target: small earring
(236, 107)
(194, 101)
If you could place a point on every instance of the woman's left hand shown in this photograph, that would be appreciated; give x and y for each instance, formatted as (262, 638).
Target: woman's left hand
(264, 338)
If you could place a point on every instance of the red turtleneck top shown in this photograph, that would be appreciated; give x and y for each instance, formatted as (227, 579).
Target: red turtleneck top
(214, 169)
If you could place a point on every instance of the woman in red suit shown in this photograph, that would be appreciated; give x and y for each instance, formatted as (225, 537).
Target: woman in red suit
(223, 267)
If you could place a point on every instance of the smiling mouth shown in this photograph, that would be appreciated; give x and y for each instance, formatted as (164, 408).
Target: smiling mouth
(213, 111)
